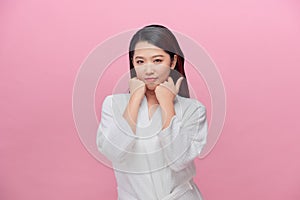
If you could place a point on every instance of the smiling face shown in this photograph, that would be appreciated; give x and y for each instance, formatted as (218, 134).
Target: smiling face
(152, 64)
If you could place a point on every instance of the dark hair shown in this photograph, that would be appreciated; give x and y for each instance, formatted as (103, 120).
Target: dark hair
(163, 38)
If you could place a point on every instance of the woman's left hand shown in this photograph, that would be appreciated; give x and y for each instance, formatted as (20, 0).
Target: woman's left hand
(166, 91)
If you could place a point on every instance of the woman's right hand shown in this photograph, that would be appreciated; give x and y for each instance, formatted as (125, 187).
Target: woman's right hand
(137, 88)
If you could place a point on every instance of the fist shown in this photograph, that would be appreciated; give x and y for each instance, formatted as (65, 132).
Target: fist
(166, 91)
(137, 87)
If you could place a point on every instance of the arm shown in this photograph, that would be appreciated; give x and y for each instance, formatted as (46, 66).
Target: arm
(137, 93)
(116, 133)
(115, 138)
(183, 140)
(168, 112)
(131, 112)
(165, 94)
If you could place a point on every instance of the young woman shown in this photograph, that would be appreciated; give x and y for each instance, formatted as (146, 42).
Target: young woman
(153, 134)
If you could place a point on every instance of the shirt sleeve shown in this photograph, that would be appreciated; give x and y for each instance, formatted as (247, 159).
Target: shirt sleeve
(183, 139)
(115, 138)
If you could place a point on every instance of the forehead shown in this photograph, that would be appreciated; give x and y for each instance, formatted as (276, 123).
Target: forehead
(145, 49)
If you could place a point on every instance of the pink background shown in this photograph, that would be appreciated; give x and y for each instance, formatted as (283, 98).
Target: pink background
(255, 44)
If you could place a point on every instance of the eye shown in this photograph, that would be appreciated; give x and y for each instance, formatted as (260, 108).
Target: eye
(157, 60)
(139, 61)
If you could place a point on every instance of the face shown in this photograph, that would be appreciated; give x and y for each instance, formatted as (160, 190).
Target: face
(152, 64)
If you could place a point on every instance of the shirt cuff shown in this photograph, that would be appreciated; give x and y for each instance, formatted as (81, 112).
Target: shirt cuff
(167, 135)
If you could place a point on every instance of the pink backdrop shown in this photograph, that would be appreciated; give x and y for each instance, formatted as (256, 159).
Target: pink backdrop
(255, 44)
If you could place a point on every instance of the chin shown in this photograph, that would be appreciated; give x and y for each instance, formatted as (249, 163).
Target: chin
(151, 86)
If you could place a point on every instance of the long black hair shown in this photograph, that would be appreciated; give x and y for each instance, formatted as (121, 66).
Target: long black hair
(163, 38)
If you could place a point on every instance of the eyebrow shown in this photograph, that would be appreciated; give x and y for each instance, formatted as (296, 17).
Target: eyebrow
(141, 57)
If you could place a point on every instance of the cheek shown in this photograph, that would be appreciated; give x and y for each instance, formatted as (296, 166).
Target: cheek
(138, 72)
(164, 73)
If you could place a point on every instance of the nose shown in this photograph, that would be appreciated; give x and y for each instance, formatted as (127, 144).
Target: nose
(149, 69)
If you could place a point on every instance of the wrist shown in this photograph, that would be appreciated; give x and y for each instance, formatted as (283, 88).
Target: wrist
(166, 98)
(167, 116)
(167, 103)
(168, 109)
(136, 98)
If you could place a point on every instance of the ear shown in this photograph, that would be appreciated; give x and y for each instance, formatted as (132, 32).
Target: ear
(174, 61)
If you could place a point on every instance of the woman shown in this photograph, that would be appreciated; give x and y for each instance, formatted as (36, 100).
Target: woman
(153, 134)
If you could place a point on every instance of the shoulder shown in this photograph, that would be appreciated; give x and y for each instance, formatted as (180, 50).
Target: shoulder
(189, 103)
(116, 100)
(188, 107)
(116, 97)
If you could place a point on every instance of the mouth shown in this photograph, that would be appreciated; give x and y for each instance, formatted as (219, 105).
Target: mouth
(150, 80)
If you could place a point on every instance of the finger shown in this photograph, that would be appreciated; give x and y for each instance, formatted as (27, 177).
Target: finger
(178, 83)
(171, 88)
(136, 80)
(132, 80)
(165, 84)
(170, 80)
(138, 87)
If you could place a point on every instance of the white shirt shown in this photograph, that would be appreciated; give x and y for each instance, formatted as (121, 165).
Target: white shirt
(153, 164)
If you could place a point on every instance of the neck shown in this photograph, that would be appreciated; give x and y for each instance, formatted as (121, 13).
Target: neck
(150, 95)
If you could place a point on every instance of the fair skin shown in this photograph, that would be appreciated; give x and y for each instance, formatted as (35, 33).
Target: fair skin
(152, 65)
